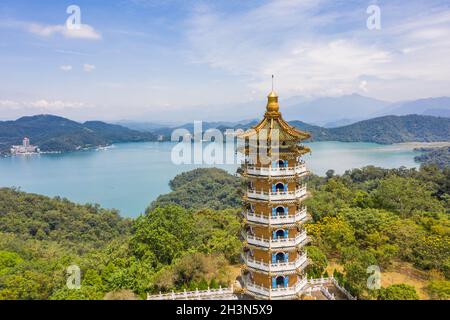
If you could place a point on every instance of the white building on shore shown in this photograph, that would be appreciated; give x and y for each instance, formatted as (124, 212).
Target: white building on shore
(25, 148)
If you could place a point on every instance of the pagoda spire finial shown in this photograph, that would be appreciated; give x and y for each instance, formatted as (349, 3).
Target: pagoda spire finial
(272, 101)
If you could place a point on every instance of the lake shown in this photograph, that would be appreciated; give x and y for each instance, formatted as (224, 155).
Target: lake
(130, 176)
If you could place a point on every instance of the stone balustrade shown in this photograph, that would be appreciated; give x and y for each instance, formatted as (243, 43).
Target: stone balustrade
(300, 216)
(278, 195)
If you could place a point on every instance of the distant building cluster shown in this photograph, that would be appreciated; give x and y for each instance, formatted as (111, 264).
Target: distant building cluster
(25, 148)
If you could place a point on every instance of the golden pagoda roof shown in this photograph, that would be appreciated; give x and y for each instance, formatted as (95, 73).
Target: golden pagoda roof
(272, 94)
(273, 120)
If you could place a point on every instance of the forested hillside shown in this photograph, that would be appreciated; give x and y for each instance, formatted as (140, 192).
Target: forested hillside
(395, 219)
(40, 237)
(436, 156)
(213, 188)
(388, 218)
(52, 133)
(372, 216)
(384, 130)
(39, 217)
(392, 129)
(169, 247)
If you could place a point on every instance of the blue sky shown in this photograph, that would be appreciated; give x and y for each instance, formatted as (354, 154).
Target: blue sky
(176, 60)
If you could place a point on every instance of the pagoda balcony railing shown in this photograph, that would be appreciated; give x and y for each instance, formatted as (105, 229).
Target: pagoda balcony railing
(275, 293)
(276, 243)
(299, 216)
(276, 171)
(278, 195)
(300, 263)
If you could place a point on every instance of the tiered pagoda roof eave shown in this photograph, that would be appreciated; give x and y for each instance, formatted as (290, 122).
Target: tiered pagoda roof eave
(268, 122)
(294, 151)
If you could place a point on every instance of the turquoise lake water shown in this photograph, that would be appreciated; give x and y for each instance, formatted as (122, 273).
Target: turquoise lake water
(130, 176)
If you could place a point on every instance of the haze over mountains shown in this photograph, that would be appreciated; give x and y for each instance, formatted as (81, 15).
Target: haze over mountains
(351, 118)
(431, 106)
(332, 111)
(343, 110)
(328, 112)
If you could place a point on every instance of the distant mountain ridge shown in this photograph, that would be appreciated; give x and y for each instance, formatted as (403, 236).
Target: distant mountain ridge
(430, 106)
(324, 110)
(53, 133)
(384, 130)
(348, 109)
(391, 129)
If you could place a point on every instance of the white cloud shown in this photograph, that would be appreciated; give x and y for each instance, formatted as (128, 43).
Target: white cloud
(312, 51)
(13, 105)
(363, 86)
(84, 32)
(88, 67)
(42, 105)
(55, 104)
(66, 68)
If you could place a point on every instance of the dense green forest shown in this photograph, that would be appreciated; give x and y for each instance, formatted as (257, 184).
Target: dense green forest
(395, 219)
(388, 129)
(52, 133)
(201, 188)
(436, 156)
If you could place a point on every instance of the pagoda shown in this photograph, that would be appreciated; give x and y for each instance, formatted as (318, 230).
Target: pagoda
(274, 257)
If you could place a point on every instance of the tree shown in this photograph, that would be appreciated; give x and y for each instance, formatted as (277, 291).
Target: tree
(432, 252)
(329, 198)
(165, 233)
(332, 233)
(209, 188)
(406, 197)
(329, 174)
(398, 292)
(8, 260)
(318, 263)
(356, 263)
(439, 289)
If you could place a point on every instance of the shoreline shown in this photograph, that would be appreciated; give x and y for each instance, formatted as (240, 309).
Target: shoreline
(401, 145)
(413, 145)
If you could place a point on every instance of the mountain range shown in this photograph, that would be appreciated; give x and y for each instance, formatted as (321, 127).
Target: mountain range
(384, 130)
(53, 133)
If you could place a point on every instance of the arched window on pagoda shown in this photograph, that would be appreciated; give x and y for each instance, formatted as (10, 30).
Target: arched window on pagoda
(280, 282)
(279, 187)
(280, 211)
(280, 234)
(280, 257)
(280, 164)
